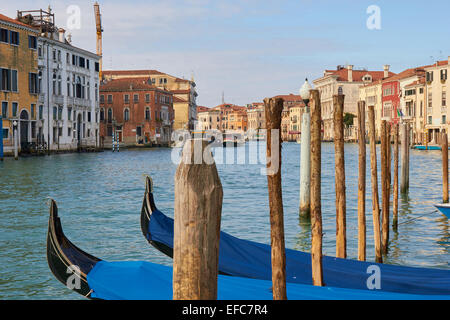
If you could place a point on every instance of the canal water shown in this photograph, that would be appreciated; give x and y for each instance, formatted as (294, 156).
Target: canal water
(100, 194)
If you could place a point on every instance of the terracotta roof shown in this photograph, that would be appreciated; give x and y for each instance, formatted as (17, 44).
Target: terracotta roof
(421, 81)
(180, 91)
(131, 72)
(297, 105)
(406, 74)
(290, 97)
(128, 85)
(229, 105)
(14, 21)
(178, 100)
(357, 74)
(202, 109)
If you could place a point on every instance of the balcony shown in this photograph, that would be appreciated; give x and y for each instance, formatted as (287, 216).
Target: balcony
(58, 99)
(443, 109)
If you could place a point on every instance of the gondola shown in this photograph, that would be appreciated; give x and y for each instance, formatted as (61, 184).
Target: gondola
(444, 208)
(140, 280)
(250, 259)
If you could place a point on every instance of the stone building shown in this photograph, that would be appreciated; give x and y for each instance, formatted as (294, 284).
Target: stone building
(136, 112)
(19, 85)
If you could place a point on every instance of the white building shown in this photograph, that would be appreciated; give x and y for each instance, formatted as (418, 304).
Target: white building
(68, 106)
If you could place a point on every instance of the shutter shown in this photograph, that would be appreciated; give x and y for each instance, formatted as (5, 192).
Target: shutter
(1, 79)
(9, 80)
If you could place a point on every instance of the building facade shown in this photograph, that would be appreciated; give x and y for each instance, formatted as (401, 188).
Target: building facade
(184, 93)
(347, 81)
(19, 89)
(135, 112)
(289, 100)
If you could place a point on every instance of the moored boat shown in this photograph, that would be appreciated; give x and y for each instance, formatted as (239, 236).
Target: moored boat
(243, 258)
(444, 208)
(139, 280)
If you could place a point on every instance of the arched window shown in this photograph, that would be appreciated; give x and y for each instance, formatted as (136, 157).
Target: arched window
(147, 113)
(78, 87)
(110, 115)
(59, 85)
(126, 115)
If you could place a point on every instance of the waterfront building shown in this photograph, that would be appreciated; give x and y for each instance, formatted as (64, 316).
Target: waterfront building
(19, 85)
(208, 119)
(371, 94)
(256, 116)
(415, 104)
(347, 81)
(295, 116)
(225, 111)
(68, 84)
(136, 112)
(436, 92)
(184, 93)
(289, 101)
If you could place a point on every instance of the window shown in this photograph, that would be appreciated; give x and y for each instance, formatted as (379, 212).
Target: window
(102, 114)
(126, 115)
(147, 113)
(444, 74)
(89, 116)
(147, 97)
(14, 87)
(421, 108)
(69, 132)
(110, 98)
(430, 120)
(81, 62)
(14, 38)
(87, 63)
(430, 100)
(4, 35)
(55, 113)
(33, 110)
(15, 106)
(32, 42)
(126, 98)
(444, 97)
(60, 110)
(97, 67)
(41, 112)
(69, 114)
(5, 133)
(387, 92)
(444, 119)
(4, 109)
(102, 98)
(430, 76)
(110, 115)
(136, 98)
(33, 83)
(5, 79)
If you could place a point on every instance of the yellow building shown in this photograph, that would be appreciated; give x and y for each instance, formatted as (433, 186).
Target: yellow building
(19, 82)
(371, 94)
(295, 115)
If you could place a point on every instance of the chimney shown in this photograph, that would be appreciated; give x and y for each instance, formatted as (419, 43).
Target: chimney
(386, 70)
(61, 33)
(350, 73)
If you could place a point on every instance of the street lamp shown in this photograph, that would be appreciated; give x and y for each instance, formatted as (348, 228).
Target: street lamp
(305, 92)
(16, 149)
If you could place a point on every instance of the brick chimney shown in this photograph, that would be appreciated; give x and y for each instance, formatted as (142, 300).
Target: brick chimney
(350, 73)
(386, 70)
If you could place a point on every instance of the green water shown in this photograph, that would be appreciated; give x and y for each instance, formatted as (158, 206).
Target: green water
(99, 197)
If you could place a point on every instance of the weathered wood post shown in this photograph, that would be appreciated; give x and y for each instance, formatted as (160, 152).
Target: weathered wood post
(362, 181)
(338, 119)
(374, 182)
(395, 185)
(316, 209)
(384, 187)
(445, 167)
(305, 166)
(273, 110)
(198, 207)
(404, 158)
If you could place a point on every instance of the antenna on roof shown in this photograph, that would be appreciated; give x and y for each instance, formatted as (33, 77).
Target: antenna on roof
(223, 97)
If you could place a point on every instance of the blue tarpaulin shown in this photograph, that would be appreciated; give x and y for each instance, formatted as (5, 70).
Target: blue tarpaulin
(243, 258)
(130, 280)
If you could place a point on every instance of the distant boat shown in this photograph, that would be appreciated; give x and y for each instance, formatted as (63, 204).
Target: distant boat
(430, 147)
(243, 258)
(444, 208)
(140, 280)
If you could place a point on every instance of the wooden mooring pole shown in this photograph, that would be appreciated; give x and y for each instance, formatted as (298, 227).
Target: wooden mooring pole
(198, 207)
(404, 158)
(395, 184)
(316, 209)
(273, 110)
(362, 181)
(338, 118)
(374, 182)
(384, 186)
(305, 166)
(444, 168)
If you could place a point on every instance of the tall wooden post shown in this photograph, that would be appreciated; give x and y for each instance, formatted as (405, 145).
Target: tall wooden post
(404, 158)
(384, 187)
(316, 208)
(273, 110)
(395, 187)
(305, 166)
(445, 168)
(362, 181)
(198, 207)
(341, 240)
(374, 182)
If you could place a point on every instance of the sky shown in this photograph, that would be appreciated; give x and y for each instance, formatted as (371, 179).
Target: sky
(253, 49)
